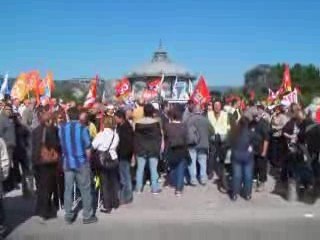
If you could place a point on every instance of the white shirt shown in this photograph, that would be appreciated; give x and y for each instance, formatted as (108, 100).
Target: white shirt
(103, 140)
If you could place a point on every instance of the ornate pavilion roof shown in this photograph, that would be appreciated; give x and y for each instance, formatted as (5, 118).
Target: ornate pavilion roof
(160, 64)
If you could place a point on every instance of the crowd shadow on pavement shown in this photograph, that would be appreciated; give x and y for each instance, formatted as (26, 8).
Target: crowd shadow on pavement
(18, 209)
(293, 191)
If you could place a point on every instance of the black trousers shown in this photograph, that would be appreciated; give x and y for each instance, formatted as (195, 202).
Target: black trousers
(110, 188)
(260, 168)
(46, 182)
(2, 213)
(59, 191)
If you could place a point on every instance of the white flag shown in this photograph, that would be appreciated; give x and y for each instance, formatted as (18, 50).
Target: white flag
(174, 89)
(4, 86)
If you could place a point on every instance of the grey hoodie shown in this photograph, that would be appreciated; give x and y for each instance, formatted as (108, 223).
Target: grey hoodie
(204, 128)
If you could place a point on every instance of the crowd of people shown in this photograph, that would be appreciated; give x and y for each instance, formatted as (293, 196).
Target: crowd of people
(106, 154)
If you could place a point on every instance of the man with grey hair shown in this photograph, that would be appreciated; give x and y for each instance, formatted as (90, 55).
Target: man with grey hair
(199, 133)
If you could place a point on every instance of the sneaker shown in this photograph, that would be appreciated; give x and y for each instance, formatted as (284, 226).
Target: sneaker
(105, 210)
(260, 187)
(248, 198)
(156, 192)
(3, 230)
(92, 219)
(69, 221)
(193, 183)
(203, 183)
(233, 198)
(178, 193)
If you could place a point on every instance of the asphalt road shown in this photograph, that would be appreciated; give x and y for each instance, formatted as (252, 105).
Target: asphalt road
(201, 213)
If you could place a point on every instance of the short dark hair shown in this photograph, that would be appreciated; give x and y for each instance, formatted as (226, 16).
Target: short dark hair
(120, 114)
(164, 104)
(148, 110)
(176, 114)
(234, 102)
(73, 113)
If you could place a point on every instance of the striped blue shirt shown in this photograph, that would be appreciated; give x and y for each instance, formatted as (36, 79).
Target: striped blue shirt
(75, 139)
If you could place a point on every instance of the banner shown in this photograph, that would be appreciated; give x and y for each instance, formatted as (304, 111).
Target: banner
(201, 94)
(290, 98)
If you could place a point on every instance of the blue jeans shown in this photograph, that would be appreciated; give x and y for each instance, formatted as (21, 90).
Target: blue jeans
(153, 165)
(201, 157)
(177, 175)
(82, 177)
(125, 181)
(242, 172)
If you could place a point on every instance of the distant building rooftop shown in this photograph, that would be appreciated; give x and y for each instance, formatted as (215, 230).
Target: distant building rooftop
(161, 64)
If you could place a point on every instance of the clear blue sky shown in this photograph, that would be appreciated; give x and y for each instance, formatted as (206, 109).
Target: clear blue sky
(221, 39)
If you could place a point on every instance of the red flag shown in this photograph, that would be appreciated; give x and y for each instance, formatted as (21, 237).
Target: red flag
(317, 118)
(123, 87)
(286, 81)
(201, 94)
(92, 94)
(252, 95)
(154, 84)
(148, 95)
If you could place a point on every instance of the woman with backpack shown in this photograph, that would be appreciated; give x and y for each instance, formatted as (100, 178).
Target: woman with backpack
(176, 138)
(242, 160)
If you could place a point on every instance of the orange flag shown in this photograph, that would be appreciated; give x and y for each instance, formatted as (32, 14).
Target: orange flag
(20, 88)
(34, 84)
(286, 81)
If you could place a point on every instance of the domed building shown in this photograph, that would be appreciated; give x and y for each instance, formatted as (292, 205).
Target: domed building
(177, 81)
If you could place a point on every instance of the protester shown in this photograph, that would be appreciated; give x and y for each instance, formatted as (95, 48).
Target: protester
(4, 172)
(199, 132)
(125, 154)
(219, 120)
(107, 142)
(9, 136)
(45, 157)
(176, 138)
(277, 145)
(242, 159)
(261, 137)
(164, 114)
(290, 133)
(21, 156)
(147, 147)
(76, 149)
(188, 111)
(138, 112)
(84, 120)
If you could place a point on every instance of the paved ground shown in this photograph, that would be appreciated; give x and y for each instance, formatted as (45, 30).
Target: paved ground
(201, 213)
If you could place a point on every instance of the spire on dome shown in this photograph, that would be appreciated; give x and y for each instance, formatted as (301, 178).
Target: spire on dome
(160, 55)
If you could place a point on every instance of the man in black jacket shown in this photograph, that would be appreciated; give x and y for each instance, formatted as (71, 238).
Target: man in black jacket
(147, 147)
(125, 152)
